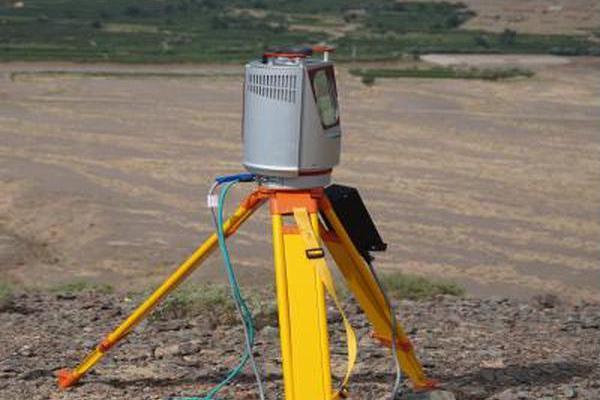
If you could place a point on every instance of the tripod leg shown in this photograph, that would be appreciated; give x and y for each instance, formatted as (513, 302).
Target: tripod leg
(67, 378)
(302, 315)
(364, 287)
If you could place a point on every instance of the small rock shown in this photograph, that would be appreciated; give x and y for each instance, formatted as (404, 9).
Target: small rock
(488, 375)
(569, 392)
(473, 392)
(432, 395)
(26, 351)
(172, 325)
(269, 332)
(188, 348)
(441, 395)
(591, 324)
(166, 351)
(33, 374)
(507, 395)
(9, 366)
(496, 363)
(546, 300)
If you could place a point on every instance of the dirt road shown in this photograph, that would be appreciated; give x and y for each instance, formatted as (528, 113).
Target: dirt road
(495, 185)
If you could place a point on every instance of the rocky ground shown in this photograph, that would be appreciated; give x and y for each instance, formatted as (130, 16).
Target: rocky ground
(480, 349)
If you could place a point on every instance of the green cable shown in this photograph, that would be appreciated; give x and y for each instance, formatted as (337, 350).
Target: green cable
(246, 315)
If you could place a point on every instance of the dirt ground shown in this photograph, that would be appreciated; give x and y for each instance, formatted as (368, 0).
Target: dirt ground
(535, 16)
(496, 60)
(493, 184)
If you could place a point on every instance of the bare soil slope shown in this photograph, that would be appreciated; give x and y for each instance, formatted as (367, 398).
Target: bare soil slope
(493, 184)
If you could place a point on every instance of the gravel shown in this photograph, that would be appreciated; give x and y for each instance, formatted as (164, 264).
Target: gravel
(478, 348)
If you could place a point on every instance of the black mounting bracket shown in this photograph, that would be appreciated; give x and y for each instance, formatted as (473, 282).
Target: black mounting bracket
(355, 218)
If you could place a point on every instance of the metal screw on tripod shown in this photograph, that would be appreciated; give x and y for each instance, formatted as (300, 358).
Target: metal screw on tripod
(315, 253)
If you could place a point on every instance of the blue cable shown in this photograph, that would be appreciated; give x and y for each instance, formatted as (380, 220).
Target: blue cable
(241, 177)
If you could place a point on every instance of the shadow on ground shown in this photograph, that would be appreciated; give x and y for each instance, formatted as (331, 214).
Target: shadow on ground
(487, 381)
(479, 384)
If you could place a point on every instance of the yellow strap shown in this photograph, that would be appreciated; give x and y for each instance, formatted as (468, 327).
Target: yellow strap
(312, 243)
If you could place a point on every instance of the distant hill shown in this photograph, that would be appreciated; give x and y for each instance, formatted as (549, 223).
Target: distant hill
(233, 30)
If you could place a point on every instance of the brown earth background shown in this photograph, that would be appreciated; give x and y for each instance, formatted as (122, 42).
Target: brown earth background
(494, 185)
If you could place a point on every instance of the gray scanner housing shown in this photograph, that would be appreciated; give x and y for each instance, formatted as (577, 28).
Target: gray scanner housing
(283, 131)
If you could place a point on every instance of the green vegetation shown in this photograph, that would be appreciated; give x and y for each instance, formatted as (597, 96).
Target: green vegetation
(393, 46)
(366, 79)
(214, 303)
(79, 286)
(368, 76)
(140, 31)
(418, 17)
(6, 293)
(413, 287)
(235, 30)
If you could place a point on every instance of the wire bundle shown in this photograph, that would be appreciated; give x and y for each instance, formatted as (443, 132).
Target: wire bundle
(236, 293)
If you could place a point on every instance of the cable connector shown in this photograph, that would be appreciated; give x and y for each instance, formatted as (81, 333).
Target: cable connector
(212, 201)
(242, 177)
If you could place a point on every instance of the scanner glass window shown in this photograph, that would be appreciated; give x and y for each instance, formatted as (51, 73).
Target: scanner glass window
(323, 83)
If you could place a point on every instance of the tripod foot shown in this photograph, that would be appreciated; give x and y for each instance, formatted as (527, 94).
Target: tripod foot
(67, 378)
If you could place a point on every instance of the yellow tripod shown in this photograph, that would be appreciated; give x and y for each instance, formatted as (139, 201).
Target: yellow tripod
(302, 278)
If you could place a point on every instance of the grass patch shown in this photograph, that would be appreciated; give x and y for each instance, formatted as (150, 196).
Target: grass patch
(368, 76)
(412, 16)
(414, 287)
(214, 302)
(80, 286)
(6, 294)
(366, 79)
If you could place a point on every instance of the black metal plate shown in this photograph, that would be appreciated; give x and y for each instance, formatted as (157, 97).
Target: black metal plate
(353, 214)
